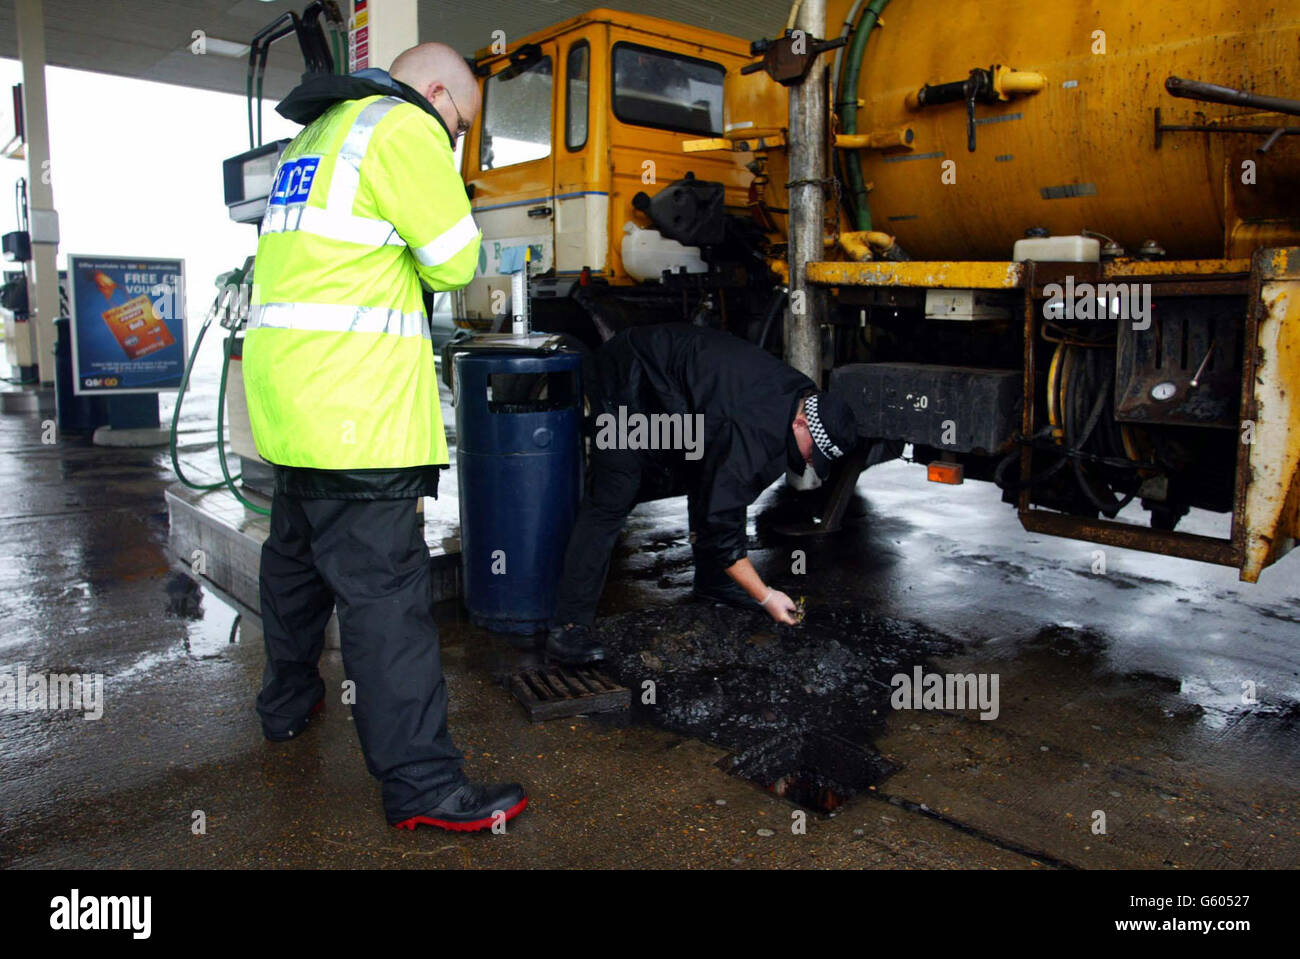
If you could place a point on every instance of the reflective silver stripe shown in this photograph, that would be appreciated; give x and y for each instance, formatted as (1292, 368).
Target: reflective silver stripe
(336, 221)
(443, 247)
(314, 220)
(346, 178)
(337, 318)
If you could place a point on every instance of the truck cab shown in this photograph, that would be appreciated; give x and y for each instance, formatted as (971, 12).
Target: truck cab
(577, 120)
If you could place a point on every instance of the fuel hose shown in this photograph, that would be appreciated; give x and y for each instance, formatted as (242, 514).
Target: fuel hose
(228, 481)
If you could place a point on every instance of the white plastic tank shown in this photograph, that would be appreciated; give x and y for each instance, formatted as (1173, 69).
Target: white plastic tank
(1057, 249)
(647, 253)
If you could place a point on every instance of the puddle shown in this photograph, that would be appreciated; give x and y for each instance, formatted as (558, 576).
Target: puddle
(1067, 655)
(212, 625)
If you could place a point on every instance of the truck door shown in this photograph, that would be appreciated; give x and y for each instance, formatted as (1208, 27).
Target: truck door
(510, 169)
(581, 174)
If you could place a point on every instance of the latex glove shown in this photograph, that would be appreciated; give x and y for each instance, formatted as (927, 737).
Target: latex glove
(780, 607)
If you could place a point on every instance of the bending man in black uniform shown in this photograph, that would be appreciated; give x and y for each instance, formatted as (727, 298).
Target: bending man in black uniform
(735, 417)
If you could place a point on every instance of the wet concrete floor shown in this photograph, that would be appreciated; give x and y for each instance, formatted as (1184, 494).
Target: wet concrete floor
(1120, 694)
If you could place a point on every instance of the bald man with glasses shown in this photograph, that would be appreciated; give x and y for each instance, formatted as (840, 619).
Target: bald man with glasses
(367, 206)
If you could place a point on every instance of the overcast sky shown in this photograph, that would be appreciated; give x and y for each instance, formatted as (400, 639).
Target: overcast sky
(136, 170)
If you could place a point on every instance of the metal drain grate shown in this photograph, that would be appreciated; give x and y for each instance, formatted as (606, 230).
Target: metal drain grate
(553, 692)
(815, 770)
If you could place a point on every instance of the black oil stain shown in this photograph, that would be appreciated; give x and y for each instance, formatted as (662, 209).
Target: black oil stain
(797, 707)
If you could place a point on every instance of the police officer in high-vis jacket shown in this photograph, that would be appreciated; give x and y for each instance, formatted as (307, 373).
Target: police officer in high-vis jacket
(343, 399)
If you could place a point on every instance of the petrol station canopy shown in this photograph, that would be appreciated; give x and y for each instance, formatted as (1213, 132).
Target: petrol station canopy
(150, 39)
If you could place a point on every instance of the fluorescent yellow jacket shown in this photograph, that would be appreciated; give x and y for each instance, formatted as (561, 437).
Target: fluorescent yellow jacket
(338, 363)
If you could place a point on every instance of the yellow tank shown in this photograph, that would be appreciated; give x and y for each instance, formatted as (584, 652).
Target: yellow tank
(1074, 130)
(1075, 147)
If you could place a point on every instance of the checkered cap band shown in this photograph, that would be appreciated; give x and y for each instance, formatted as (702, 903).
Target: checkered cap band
(819, 435)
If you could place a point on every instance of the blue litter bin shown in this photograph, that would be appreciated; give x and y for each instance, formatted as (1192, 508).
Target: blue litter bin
(519, 464)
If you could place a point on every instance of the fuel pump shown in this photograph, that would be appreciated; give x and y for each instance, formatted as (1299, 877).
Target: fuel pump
(248, 179)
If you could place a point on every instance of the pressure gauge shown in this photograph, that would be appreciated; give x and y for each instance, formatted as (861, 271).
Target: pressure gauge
(1163, 391)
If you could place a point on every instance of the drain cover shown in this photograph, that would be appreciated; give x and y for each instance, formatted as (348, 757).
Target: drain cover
(553, 692)
(818, 771)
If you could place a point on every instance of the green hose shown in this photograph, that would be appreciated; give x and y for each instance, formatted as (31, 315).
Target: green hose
(340, 51)
(176, 414)
(849, 96)
(249, 98)
(227, 481)
(259, 109)
(227, 348)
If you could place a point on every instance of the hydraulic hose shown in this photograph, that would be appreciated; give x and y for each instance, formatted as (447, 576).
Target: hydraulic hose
(849, 101)
(1080, 388)
(837, 86)
(837, 79)
(999, 474)
(1093, 379)
(773, 310)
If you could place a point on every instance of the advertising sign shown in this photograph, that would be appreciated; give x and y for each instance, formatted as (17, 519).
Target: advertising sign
(128, 324)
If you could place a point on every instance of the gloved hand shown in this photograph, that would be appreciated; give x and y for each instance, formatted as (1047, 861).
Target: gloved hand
(780, 607)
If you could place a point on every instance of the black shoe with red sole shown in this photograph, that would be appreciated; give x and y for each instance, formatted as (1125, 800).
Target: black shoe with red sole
(297, 729)
(472, 808)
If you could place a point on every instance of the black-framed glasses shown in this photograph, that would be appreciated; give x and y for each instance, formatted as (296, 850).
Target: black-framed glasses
(461, 126)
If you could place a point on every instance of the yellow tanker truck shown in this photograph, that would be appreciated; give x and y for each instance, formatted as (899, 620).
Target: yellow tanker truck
(1052, 245)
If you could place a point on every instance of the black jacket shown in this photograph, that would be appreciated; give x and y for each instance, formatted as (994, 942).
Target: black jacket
(748, 400)
(304, 104)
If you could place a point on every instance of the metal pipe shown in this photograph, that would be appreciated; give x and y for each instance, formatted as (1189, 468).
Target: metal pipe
(794, 14)
(807, 201)
(521, 324)
(1213, 93)
(860, 245)
(254, 50)
(898, 138)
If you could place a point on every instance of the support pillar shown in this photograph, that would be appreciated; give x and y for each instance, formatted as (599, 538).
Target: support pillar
(42, 271)
(386, 27)
(807, 202)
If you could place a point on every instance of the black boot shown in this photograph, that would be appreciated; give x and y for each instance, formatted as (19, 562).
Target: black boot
(573, 645)
(297, 728)
(713, 585)
(470, 808)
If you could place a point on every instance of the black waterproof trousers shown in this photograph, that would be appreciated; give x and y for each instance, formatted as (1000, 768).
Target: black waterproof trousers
(615, 482)
(368, 558)
(618, 482)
